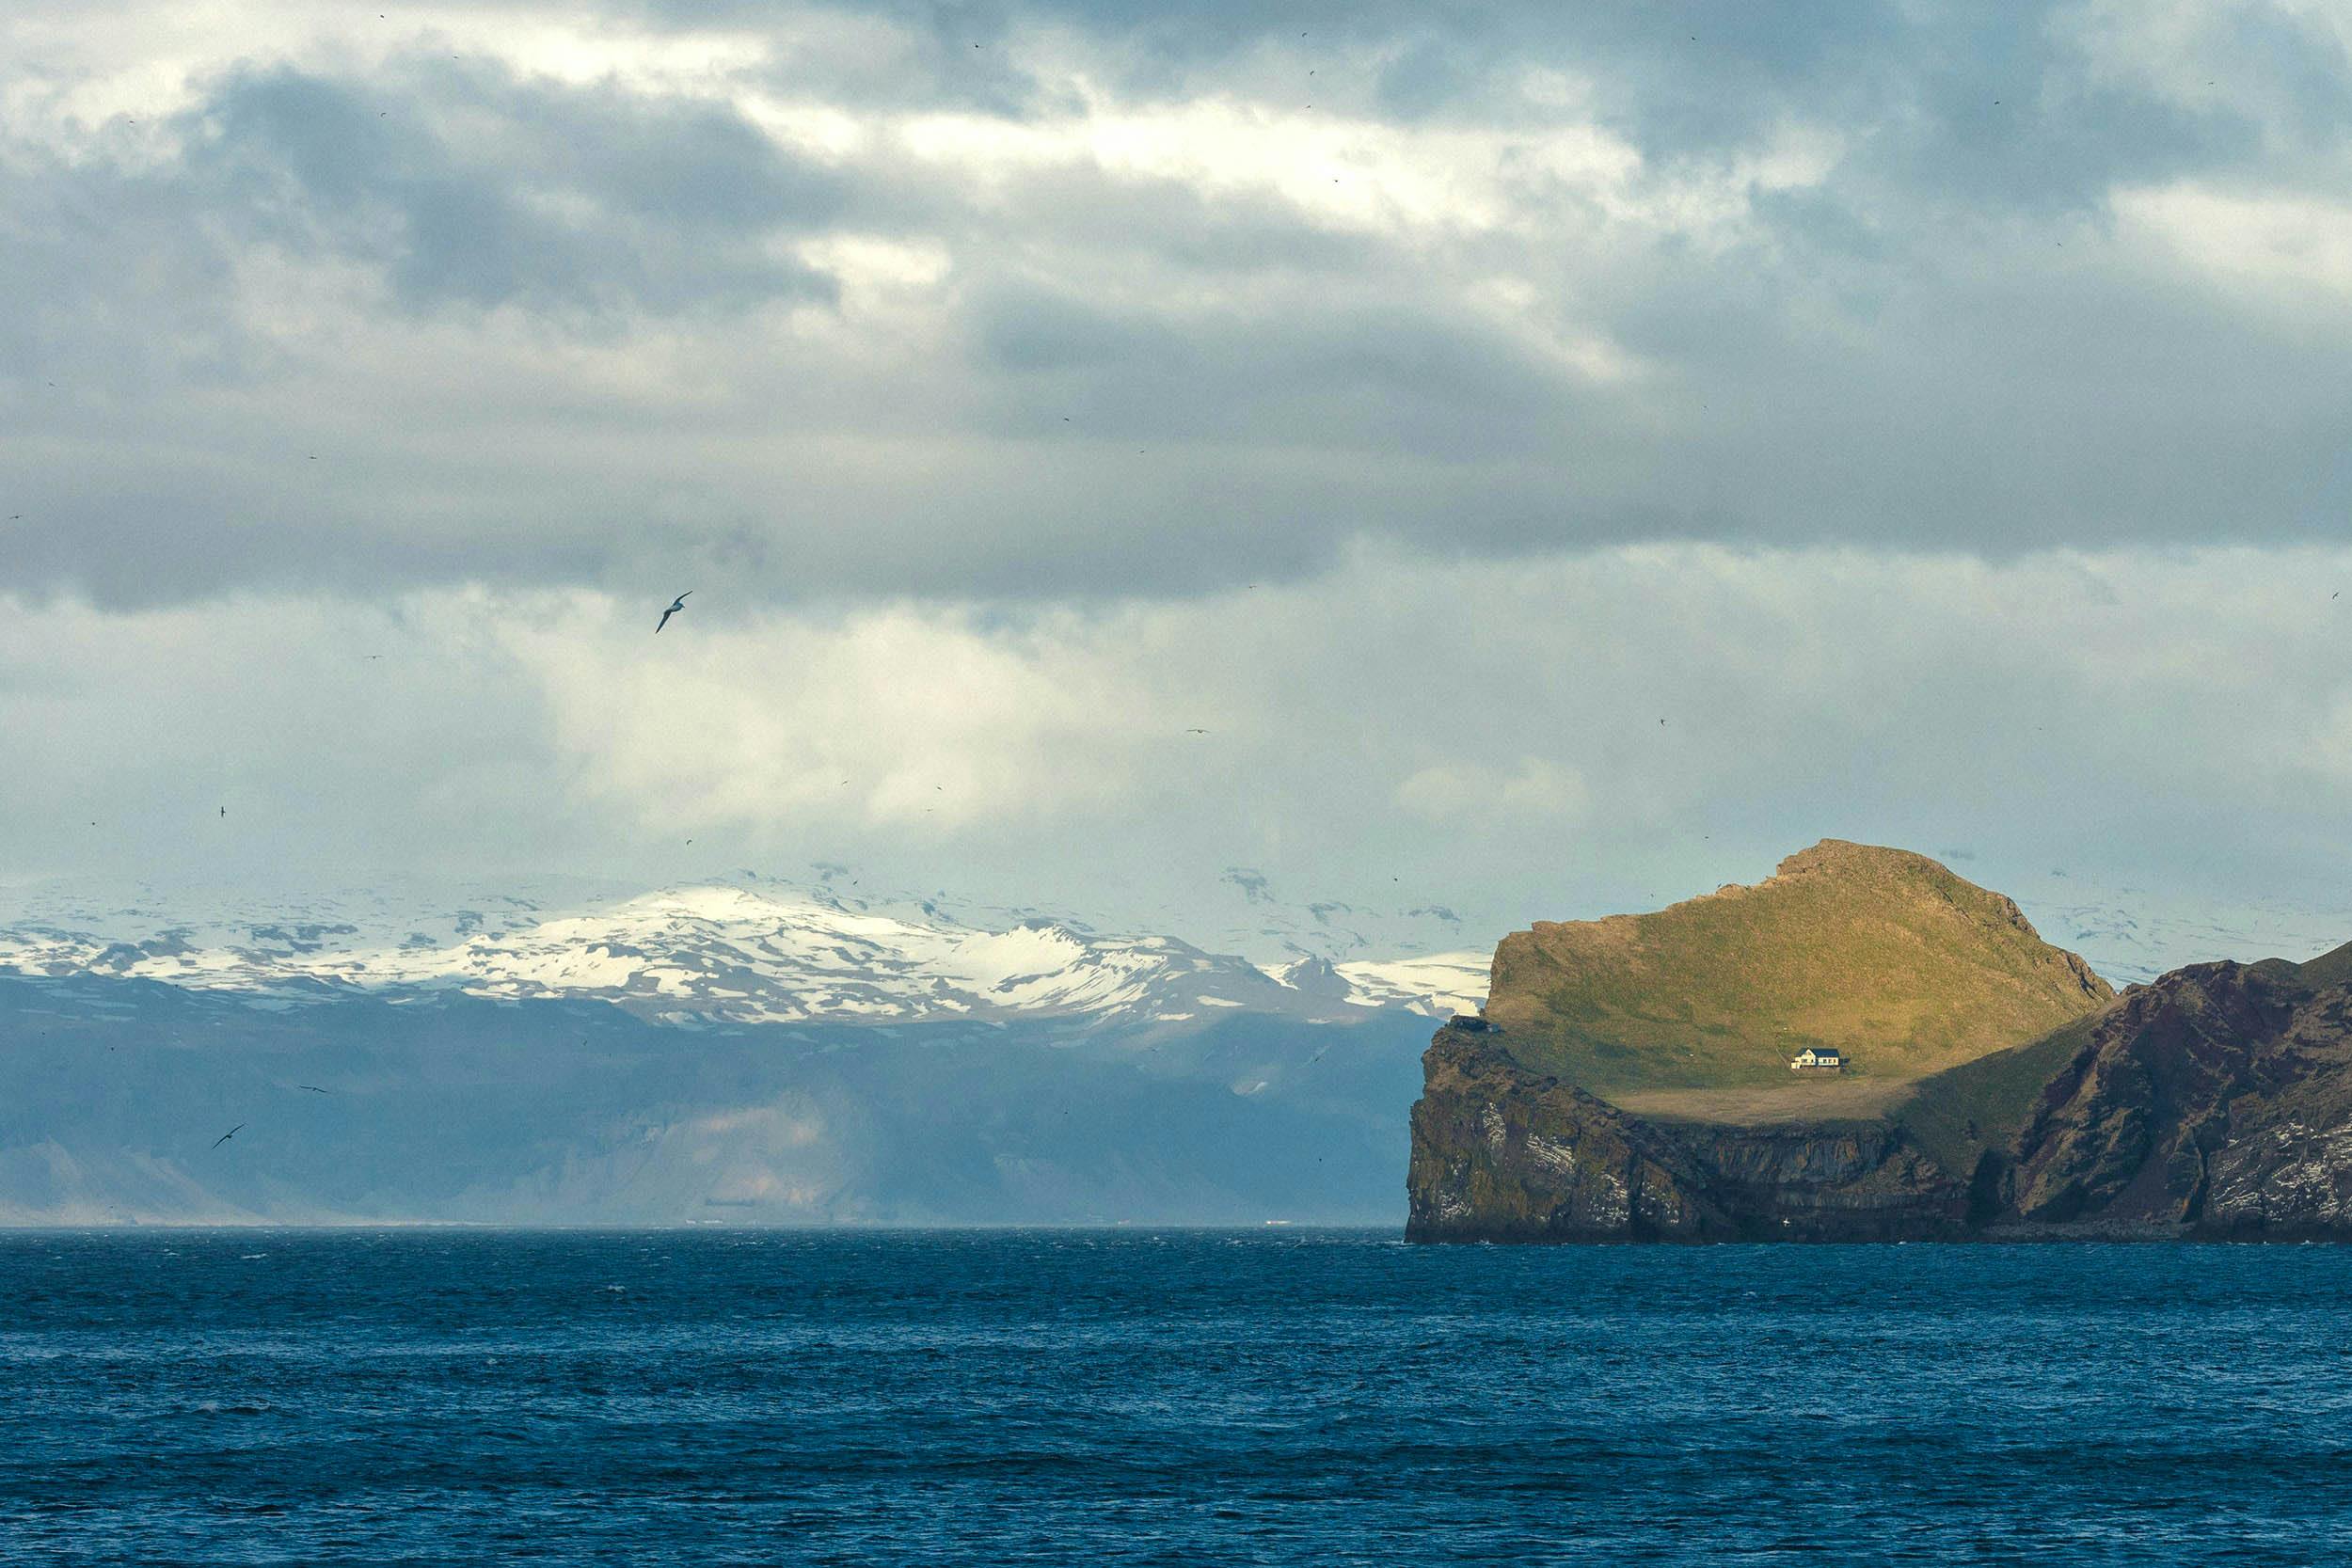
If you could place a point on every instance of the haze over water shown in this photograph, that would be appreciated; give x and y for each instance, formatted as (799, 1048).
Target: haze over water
(1194, 1396)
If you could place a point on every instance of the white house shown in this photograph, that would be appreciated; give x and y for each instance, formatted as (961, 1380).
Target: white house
(1822, 1057)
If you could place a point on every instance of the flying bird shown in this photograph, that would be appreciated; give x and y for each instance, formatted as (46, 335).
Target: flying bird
(315, 1089)
(231, 1134)
(675, 604)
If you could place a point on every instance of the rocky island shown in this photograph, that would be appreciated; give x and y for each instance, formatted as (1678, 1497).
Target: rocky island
(1631, 1080)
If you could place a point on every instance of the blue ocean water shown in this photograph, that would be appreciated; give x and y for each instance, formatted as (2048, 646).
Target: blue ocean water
(1183, 1397)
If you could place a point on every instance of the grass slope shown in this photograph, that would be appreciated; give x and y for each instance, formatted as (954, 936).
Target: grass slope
(2331, 968)
(1884, 954)
(1959, 1113)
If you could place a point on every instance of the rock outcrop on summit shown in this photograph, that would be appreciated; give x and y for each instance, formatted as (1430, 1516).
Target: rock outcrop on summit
(1628, 1082)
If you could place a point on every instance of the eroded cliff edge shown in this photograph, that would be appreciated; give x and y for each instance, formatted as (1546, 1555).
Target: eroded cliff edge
(2213, 1103)
(1504, 1154)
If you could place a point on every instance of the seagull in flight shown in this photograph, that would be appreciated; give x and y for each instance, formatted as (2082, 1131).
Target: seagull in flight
(315, 1089)
(231, 1134)
(675, 604)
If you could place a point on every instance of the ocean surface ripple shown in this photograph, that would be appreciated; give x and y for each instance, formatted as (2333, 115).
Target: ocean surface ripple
(1164, 1397)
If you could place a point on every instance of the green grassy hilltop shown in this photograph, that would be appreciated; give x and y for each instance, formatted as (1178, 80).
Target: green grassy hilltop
(1696, 1010)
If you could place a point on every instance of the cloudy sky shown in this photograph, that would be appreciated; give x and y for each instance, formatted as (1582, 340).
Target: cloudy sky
(1562, 456)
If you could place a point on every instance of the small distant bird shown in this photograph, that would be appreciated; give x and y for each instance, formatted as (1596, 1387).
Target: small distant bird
(231, 1134)
(675, 604)
(1196, 732)
(224, 810)
(315, 1089)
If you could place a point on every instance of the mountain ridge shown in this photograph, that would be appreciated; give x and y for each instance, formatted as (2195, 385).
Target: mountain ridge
(749, 951)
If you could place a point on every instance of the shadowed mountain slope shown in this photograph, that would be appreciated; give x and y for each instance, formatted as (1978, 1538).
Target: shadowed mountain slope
(367, 1106)
(2217, 1100)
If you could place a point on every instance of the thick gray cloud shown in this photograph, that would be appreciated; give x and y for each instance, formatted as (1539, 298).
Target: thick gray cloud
(809, 296)
(488, 192)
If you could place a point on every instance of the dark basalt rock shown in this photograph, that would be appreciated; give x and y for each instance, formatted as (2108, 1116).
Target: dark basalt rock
(2215, 1102)
(1501, 1154)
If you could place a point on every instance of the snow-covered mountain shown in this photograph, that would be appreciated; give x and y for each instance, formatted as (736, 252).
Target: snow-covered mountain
(1436, 986)
(746, 950)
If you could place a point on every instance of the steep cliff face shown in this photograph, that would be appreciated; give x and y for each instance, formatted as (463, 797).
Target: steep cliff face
(1504, 1154)
(2215, 1102)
